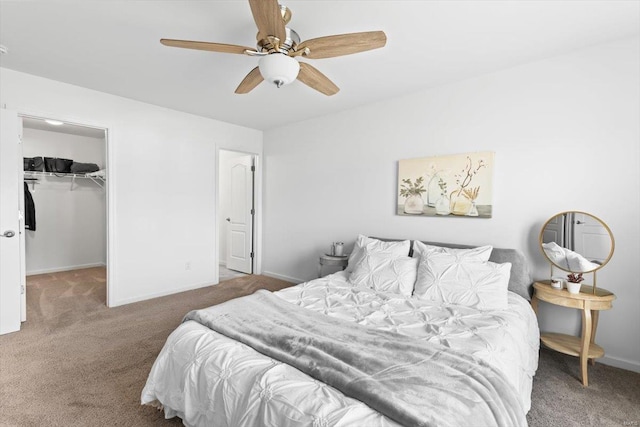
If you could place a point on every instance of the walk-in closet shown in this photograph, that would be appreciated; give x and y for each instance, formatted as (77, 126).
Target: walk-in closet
(65, 212)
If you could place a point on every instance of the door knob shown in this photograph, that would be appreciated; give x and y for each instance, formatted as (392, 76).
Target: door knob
(8, 233)
(229, 219)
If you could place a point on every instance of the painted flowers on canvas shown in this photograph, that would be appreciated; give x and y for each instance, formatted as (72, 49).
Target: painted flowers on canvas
(458, 185)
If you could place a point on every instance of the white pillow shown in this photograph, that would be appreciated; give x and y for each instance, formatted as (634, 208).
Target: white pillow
(479, 254)
(579, 263)
(382, 273)
(423, 251)
(451, 279)
(566, 258)
(390, 249)
(555, 253)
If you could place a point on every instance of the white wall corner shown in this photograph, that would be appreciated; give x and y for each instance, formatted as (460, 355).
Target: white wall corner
(65, 268)
(618, 362)
(144, 297)
(283, 277)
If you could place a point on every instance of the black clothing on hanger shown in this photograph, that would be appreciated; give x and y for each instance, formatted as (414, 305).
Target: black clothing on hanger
(29, 210)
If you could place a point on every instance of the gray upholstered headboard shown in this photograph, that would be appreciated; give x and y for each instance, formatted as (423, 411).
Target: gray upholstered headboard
(520, 280)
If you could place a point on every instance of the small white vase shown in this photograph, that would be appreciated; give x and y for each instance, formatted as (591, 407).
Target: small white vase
(557, 283)
(442, 206)
(573, 288)
(414, 205)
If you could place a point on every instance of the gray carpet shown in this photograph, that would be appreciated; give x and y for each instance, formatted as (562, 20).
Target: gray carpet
(559, 399)
(78, 363)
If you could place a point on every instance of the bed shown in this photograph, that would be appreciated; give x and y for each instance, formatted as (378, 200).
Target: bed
(208, 378)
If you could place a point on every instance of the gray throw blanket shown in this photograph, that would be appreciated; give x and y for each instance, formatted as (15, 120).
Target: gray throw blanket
(412, 382)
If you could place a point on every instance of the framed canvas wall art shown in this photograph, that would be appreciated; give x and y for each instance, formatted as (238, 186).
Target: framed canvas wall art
(458, 185)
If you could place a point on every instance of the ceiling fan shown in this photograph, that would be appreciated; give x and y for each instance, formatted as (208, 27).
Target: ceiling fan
(278, 45)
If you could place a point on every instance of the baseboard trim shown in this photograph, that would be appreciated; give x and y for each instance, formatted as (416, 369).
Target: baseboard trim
(618, 362)
(146, 297)
(283, 277)
(67, 268)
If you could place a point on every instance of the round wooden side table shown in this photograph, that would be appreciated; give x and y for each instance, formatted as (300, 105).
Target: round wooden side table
(339, 261)
(583, 347)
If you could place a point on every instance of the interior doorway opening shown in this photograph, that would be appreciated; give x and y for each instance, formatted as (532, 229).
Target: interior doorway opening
(63, 232)
(236, 189)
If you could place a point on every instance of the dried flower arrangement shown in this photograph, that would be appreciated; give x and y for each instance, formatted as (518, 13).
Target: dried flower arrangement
(468, 172)
(471, 193)
(463, 198)
(443, 187)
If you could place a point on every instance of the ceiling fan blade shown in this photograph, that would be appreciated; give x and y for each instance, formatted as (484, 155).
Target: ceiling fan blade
(253, 79)
(211, 47)
(343, 44)
(316, 80)
(268, 19)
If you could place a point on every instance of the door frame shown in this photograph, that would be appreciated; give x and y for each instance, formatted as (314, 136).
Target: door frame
(256, 233)
(110, 186)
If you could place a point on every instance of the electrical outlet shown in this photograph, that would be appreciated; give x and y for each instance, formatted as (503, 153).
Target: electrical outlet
(187, 265)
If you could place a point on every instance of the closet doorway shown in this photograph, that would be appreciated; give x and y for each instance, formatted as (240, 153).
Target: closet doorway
(236, 214)
(64, 230)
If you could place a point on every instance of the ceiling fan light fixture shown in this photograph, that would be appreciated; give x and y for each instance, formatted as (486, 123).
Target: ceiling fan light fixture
(279, 69)
(278, 46)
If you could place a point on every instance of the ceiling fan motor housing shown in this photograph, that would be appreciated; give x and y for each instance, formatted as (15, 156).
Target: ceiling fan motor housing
(273, 44)
(278, 68)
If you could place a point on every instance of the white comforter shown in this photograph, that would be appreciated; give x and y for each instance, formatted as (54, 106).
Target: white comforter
(210, 380)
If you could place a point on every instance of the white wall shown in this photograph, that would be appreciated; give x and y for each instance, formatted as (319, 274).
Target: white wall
(566, 136)
(71, 225)
(161, 198)
(224, 186)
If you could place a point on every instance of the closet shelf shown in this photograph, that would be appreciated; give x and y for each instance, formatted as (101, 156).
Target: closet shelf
(33, 176)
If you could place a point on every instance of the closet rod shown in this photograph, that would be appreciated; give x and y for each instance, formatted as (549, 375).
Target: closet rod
(33, 182)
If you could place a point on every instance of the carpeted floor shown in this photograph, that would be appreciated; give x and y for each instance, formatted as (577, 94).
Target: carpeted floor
(559, 399)
(77, 363)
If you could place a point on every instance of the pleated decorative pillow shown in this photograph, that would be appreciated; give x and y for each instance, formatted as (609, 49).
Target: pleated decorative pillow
(461, 276)
(447, 278)
(386, 274)
(479, 254)
(390, 249)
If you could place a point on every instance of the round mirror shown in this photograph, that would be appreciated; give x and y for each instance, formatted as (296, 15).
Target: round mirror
(577, 242)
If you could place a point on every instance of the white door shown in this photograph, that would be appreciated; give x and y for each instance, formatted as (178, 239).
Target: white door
(240, 221)
(554, 231)
(591, 238)
(10, 185)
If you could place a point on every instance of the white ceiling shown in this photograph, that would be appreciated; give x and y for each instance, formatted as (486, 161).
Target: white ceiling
(113, 47)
